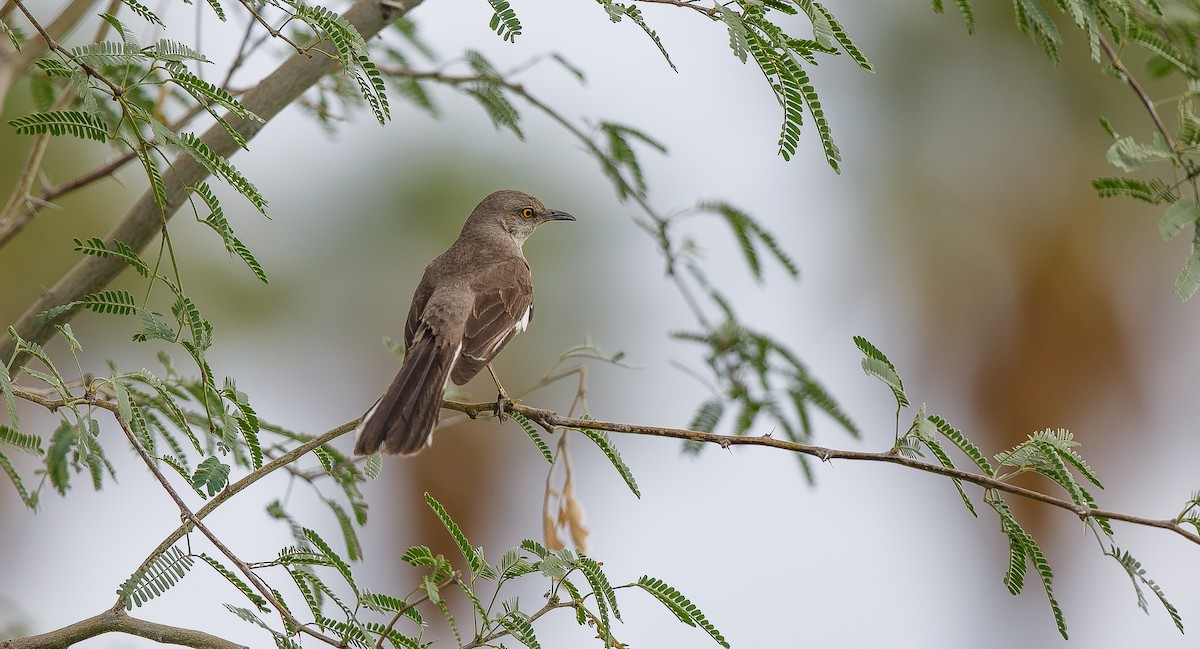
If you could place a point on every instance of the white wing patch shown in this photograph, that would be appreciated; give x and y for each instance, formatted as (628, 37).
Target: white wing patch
(523, 323)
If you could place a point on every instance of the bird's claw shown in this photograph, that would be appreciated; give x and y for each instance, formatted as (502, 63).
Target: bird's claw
(502, 404)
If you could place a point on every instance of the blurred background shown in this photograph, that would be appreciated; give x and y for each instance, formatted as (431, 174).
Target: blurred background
(962, 237)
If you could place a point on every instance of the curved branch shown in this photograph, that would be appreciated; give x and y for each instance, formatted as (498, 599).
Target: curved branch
(119, 622)
(549, 420)
(144, 220)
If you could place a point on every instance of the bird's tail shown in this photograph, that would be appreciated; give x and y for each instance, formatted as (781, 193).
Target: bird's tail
(401, 422)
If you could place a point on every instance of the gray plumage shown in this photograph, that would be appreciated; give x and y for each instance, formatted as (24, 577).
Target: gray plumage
(470, 302)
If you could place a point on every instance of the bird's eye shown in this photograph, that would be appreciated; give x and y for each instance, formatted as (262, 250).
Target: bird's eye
(527, 213)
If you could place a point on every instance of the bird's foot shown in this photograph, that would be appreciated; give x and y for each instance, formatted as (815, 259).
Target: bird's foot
(502, 404)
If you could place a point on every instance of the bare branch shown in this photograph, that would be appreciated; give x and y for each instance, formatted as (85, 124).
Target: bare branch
(551, 419)
(119, 622)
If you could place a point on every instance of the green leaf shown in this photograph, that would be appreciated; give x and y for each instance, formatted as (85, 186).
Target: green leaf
(600, 438)
(143, 11)
(708, 415)
(748, 230)
(57, 462)
(1126, 154)
(535, 548)
(247, 422)
(944, 460)
(809, 391)
(219, 224)
(498, 108)
(504, 22)
(620, 155)
(877, 364)
(188, 315)
(7, 390)
(1138, 574)
(739, 39)
(344, 36)
(533, 434)
(682, 607)
(965, 445)
(1150, 191)
(155, 577)
(606, 597)
(1155, 43)
(349, 536)
(30, 500)
(337, 561)
(157, 188)
(635, 14)
(964, 9)
(374, 465)
(212, 475)
(220, 167)
(97, 248)
(216, 7)
(1033, 20)
(236, 582)
(1061, 443)
(1189, 277)
(118, 302)
(382, 603)
(166, 49)
(372, 89)
(88, 126)
(420, 555)
(520, 628)
(829, 25)
(12, 35)
(1022, 546)
(473, 559)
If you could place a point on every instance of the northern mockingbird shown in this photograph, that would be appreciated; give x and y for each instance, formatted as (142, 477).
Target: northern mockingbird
(471, 301)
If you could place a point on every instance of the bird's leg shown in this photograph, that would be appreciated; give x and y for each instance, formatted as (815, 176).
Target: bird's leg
(502, 400)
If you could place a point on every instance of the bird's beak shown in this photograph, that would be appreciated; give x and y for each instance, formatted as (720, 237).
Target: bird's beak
(556, 215)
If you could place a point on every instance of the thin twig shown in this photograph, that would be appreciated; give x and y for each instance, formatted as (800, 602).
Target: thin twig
(19, 210)
(687, 4)
(550, 606)
(53, 44)
(275, 33)
(409, 606)
(551, 419)
(1145, 98)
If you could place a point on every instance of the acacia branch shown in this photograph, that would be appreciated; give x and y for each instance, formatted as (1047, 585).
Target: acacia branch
(550, 420)
(1141, 93)
(119, 622)
(144, 220)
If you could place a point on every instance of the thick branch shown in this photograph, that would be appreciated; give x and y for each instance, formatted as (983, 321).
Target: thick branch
(119, 622)
(144, 220)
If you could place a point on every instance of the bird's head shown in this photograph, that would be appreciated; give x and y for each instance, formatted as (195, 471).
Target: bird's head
(515, 212)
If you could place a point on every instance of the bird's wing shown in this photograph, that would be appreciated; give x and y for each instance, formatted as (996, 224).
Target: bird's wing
(420, 299)
(503, 306)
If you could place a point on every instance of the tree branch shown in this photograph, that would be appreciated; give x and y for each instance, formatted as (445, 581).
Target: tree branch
(144, 220)
(549, 420)
(1145, 98)
(119, 622)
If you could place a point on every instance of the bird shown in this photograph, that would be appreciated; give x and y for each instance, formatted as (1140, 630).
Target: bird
(471, 300)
